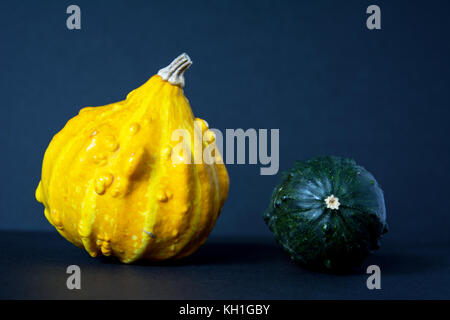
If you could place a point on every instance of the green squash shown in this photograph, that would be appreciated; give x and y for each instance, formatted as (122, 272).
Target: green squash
(328, 213)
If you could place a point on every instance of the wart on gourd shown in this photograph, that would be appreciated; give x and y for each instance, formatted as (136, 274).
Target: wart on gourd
(109, 185)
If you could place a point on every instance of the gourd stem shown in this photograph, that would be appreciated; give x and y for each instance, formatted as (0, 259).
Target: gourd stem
(174, 72)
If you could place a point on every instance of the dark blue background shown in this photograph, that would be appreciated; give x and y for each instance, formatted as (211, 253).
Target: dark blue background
(311, 69)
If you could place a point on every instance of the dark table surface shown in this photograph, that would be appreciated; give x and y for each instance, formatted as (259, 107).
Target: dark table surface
(33, 266)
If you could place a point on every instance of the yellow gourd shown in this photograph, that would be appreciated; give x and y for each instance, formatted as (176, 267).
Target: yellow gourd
(109, 183)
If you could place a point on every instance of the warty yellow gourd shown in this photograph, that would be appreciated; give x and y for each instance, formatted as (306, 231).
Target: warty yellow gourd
(109, 184)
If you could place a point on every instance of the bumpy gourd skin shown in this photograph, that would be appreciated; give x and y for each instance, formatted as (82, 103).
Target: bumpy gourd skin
(109, 184)
(323, 238)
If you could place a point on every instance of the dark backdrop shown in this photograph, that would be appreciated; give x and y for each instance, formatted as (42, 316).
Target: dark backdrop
(311, 69)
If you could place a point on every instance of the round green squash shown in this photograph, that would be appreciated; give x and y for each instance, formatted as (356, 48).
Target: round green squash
(328, 213)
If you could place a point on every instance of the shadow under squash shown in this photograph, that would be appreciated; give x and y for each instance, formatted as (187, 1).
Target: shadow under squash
(226, 251)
